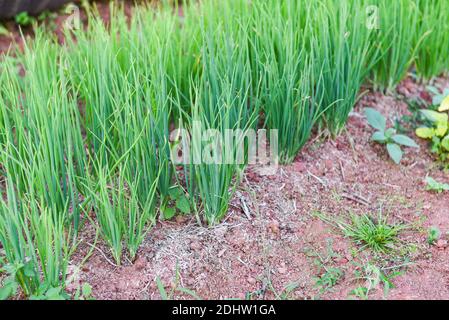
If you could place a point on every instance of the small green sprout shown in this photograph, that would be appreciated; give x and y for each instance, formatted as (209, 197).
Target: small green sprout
(389, 136)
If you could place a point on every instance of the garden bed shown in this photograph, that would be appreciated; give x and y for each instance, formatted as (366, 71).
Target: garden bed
(275, 252)
(106, 175)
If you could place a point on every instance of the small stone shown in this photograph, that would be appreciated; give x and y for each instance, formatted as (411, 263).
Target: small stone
(238, 239)
(329, 164)
(221, 253)
(273, 226)
(441, 244)
(195, 245)
(341, 261)
(251, 280)
(299, 167)
(134, 283)
(282, 270)
(356, 122)
(140, 264)
(121, 285)
(241, 296)
(251, 176)
(180, 219)
(221, 231)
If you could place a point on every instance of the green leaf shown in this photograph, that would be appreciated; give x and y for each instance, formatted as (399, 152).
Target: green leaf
(24, 19)
(54, 294)
(183, 205)
(444, 105)
(404, 140)
(360, 292)
(395, 152)
(175, 193)
(436, 142)
(169, 213)
(379, 136)
(3, 30)
(161, 288)
(434, 116)
(375, 119)
(425, 133)
(445, 143)
(436, 100)
(390, 132)
(434, 91)
(8, 290)
(433, 185)
(86, 290)
(28, 270)
(433, 235)
(441, 129)
(189, 292)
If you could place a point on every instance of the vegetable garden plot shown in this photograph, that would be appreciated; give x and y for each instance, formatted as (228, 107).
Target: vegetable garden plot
(87, 130)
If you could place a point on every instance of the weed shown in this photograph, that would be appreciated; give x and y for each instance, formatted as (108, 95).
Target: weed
(329, 275)
(433, 185)
(437, 132)
(177, 202)
(24, 19)
(389, 137)
(409, 122)
(433, 235)
(3, 30)
(170, 295)
(329, 279)
(373, 277)
(378, 235)
(370, 232)
(286, 293)
(438, 96)
(84, 292)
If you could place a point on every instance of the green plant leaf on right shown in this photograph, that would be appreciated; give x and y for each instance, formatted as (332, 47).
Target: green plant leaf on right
(178, 200)
(395, 152)
(388, 136)
(3, 30)
(404, 140)
(375, 119)
(433, 235)
(433, 185)
(437, 132)
(24, 19)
